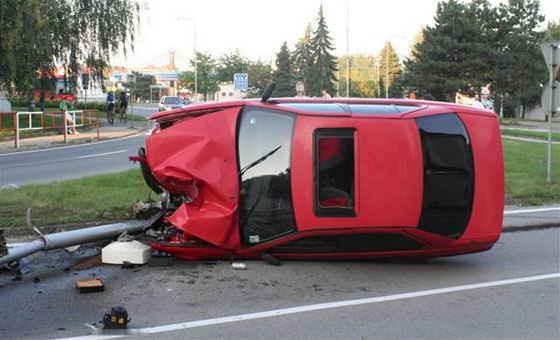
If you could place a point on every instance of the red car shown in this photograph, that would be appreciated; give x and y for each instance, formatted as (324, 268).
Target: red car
(296, 178)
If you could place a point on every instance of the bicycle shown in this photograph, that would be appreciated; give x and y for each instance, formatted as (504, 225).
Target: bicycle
(111, 113)
(122, 115)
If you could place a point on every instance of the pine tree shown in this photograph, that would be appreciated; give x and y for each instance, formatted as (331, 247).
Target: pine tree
(322, 72)
(520, 68)
(456, 53)
(301, 58)
(285, 85)
(390, 69)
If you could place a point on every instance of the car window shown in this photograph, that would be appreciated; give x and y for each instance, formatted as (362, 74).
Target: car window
(172, 100)
(334, 172)
(264, 144)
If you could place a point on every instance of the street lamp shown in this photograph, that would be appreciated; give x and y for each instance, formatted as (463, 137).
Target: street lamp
(195, 58)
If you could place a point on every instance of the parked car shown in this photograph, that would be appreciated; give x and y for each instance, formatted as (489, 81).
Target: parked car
(316, 178)
(170, 103)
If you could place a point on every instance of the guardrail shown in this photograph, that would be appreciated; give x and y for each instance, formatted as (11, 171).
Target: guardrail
(31, 120)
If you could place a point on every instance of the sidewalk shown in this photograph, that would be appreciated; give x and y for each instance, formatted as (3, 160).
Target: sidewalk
(89, 135)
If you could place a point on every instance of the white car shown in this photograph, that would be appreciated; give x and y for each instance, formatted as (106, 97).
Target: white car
(170, 102)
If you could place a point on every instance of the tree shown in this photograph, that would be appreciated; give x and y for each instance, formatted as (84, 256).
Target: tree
(38, 35)
(552, 31)
(389, 68)
(260, 75)
(285, 84)
(232, 63)
(207, 76)
(142, 86)
(322, 71)
(457, 53)
(363, 75)
(302, 56)
(520, 68)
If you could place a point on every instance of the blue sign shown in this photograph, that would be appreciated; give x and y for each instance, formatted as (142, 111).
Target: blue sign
(241, 81)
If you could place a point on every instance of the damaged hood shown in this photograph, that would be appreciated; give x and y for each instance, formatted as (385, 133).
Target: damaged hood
(196, 158)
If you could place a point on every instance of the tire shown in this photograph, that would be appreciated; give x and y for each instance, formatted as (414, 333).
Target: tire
(110, 117)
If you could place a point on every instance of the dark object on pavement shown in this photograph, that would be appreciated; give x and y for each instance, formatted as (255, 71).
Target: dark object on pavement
(117, 319)
(160, 259)
(270, 259)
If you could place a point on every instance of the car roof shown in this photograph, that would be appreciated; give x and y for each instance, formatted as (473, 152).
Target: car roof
(387, 108)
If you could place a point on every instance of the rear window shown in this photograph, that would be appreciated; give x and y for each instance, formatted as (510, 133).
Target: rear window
(172, 100)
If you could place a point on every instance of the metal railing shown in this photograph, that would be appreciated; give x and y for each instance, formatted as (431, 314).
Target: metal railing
(32, 120)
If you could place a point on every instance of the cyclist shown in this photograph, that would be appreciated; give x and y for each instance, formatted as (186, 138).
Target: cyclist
(124, 101)
(110, 106)
(123, 104)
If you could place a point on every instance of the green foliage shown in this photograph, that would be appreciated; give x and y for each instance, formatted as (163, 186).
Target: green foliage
(321, 73)
(474, 44)
(390, 68)
(230, 64)
(142, 86)
(456, 53)
(552, 31)
(260, 75)
(37, 35)
(207, 80)
(520, 67)
(285, 84)
(364, 76)
(302, 56)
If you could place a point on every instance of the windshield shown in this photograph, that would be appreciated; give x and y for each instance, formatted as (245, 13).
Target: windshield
(265, 143)
(172, 100)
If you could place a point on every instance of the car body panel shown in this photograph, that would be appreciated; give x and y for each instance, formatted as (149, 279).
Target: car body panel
(194, 153)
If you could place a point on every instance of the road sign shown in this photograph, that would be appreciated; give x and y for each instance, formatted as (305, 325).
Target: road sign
(241, 81)
(131, 78)
(551, 55)
(553, 92)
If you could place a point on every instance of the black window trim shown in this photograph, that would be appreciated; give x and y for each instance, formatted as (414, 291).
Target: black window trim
(344, 132)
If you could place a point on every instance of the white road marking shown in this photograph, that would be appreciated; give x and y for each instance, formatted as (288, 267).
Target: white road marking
(103, 154)
(322, 306)
(523, 211)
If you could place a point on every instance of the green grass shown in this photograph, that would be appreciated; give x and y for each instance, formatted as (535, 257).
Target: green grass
(109, 198)
(96, 199)
(525, 167)
(531, 134)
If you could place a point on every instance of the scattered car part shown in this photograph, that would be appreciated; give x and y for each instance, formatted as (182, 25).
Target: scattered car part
(89, 286)
(117, 318)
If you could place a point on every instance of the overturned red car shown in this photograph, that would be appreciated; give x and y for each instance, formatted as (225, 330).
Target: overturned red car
(317, 178)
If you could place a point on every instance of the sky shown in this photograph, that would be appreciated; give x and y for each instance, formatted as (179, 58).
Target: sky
(258, 28)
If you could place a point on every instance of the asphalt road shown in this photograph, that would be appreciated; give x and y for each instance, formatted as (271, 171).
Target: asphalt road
(499, 294)
(69, 162)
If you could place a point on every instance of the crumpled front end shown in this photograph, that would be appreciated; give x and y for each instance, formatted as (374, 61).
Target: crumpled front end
(194, 161)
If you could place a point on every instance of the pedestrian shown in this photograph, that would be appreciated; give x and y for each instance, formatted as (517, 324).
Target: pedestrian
(42, 101)
(326, 94)
(477, 103)
(70, 123)
(486, 100)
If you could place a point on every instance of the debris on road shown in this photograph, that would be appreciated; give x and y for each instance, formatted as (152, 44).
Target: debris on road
(116, 319)
(238, 265)
(89, 286)
(133, 252)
